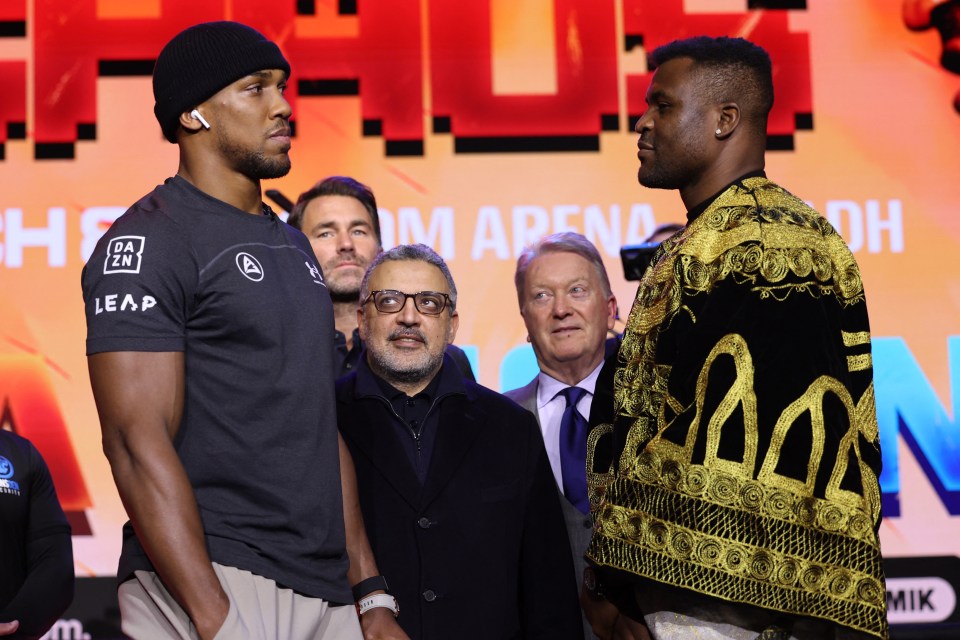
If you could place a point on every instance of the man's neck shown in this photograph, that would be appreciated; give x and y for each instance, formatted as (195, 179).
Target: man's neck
(570, 373)
(345, 320)
(216, 180)
(411, 388)
(722, 174)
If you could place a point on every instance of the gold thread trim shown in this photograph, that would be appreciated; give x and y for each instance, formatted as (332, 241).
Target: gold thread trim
(861, 362)
(853, 339)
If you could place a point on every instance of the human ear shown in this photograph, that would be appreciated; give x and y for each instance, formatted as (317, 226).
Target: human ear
(188, 122)
(728, 119)
(360, 328)
(454, 325)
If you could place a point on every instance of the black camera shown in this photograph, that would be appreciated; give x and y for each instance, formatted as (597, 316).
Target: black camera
(636, 258)
(282, 201)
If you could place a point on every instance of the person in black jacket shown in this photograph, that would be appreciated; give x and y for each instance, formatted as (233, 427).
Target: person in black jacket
(457, 495)
(36, 565)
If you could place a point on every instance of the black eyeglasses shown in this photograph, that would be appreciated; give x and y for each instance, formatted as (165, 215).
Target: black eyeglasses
(429, 303)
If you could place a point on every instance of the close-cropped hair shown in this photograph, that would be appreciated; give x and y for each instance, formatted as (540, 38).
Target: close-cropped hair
(563, 242)
(411, 252)
(729, 70)
(338, 186)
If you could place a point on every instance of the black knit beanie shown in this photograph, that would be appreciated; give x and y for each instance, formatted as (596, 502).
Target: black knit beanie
(201, 60)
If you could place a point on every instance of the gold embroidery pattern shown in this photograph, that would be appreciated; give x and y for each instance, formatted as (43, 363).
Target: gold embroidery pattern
(597, 481)
(859, 363)
(855, 339)
(793, 571)
(740, 529)
(730, 241)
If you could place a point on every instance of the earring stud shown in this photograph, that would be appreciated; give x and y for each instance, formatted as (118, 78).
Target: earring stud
(719, 132)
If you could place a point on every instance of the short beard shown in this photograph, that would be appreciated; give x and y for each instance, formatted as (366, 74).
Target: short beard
(392, 373)
(341, 296)
(255, 165)
(395, 369)
(658, 179)
(259, 167)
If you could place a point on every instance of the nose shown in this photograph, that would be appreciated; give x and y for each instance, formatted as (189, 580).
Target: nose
(408, 315)
(345, 241)
(643, 122)
(282, 108)
(561, 307)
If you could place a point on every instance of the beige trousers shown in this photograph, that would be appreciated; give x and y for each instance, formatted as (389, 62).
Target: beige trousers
(676, 614)
(259, 610)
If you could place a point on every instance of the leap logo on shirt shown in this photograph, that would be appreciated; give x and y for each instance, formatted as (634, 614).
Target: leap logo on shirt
(128, 303)
(124, 254)
(249, 266)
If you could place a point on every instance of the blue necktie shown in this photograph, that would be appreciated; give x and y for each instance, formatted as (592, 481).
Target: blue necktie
(573, 450)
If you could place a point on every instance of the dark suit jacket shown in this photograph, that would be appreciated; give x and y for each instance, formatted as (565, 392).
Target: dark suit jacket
(579, 526)
(479, 550)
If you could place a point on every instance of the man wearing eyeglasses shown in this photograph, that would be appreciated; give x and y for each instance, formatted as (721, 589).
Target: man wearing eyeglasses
(454, 483)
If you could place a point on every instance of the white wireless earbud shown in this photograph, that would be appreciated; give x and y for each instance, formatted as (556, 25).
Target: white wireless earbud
(196, 116)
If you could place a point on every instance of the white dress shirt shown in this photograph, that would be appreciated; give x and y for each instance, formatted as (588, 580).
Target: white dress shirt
(550, 408)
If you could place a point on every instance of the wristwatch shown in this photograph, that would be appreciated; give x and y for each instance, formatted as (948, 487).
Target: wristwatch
(377, 600)
(592, 584)
(368, 586)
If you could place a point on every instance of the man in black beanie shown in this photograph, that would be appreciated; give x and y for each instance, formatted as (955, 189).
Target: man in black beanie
(212, 382)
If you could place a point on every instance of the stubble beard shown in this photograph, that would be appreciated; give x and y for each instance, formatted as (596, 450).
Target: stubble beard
(402, 370)
(259, 167)
(348, 289)
(397, 367)
(343, 294)
(662, 177)
(254, 164)
(680, 163)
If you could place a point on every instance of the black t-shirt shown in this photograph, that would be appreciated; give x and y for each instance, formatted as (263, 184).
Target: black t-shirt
(416, 422)
(36, 558)
(242, 297)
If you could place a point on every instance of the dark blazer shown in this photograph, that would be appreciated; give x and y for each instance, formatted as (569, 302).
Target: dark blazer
(579, 526)
(479, 550)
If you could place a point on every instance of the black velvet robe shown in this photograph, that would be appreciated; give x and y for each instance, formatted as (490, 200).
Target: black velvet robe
(743, 455)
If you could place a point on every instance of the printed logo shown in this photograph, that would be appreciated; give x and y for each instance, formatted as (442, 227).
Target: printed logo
(6, 472)
(67, 629)
(112, 302)
(919, 600)
(249, 266)
(124, 254)
(314, 272)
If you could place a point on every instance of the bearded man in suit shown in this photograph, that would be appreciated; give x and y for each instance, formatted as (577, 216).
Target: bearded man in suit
(452, 478)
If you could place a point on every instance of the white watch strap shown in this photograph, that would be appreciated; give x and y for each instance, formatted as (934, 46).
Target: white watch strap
(384, 600)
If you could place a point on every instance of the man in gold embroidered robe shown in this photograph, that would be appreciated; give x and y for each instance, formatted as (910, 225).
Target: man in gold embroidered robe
(736, 492)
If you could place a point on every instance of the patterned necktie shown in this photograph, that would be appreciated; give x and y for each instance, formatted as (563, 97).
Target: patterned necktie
(573, 450)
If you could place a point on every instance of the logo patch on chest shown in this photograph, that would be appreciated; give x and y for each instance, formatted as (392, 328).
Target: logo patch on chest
(6, 472)
(314, 272)
(249, 266)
